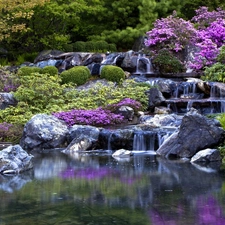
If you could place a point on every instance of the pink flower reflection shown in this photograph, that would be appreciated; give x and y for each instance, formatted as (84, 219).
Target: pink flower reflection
(210, 212)
(86, 173)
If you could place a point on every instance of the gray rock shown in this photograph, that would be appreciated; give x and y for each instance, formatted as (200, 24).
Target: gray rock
(127, 112)
(14, 159)
(155, 98)
(6, 100)
(44, 132)
(207, 155)
(196, 132)
(122, 153)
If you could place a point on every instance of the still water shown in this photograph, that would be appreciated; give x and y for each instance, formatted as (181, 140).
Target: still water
(93, 189)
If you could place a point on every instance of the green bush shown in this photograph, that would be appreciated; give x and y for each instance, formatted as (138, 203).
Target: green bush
(77, 75)
(215, 72)
(165, 62)
(27, 70)
(51, 70)
(112, 48)
(221, 57)
(79, 46)
(112, 73)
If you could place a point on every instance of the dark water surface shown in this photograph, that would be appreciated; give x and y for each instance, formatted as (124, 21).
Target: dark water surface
(98, 189)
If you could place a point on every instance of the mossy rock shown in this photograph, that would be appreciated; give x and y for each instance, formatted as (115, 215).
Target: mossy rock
(112, 73)
(77, 75)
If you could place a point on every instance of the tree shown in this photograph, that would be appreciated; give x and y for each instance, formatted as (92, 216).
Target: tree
(14, 14)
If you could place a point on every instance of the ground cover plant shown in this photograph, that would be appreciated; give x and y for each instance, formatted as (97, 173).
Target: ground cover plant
(45, 93)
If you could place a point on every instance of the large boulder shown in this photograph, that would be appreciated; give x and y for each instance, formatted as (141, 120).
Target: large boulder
(196, 132)
(155, 98)
(81, 138)
(44, 132)
(207, 155)
(14, 159)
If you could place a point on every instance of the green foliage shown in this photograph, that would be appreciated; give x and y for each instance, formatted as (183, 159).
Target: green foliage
(27, 70)
(112, 73)
(93, 46)
(77, 75)
(221, 57)
(10, 133)
(26, 57)
(43, 94)
(79, 46)
(51, 70)
(165, 62)
(215, 72)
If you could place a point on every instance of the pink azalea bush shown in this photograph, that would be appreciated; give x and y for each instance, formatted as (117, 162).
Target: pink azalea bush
(175, 34)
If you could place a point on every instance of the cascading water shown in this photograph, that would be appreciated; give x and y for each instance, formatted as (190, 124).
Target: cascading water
(144, 65)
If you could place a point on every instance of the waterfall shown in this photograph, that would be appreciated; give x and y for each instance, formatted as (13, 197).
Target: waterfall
(144, 141)
(147, 62)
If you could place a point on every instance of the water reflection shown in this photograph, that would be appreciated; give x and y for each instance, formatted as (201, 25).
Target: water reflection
(98, 189)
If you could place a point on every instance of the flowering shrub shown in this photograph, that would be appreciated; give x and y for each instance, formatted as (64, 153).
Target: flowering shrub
(135, 105)
(204, 18)
(173, 33)
(95, 117)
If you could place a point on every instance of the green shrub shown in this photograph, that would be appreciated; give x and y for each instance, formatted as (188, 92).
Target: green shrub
(27, 70)
(77, 75)
(112, 48)
(51, 70)
(165, 62)
(215, 72)
(26, 57)
(221, 57)
(112, 73)
(79, 46)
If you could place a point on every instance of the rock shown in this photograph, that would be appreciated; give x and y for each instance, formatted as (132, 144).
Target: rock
(81, 138)
(207, 155)
(81, 143)
(171, 120)
(14, 159)
(127, 112)
(162, 110)
(44, 132)
(155, 98)
(46, 55)
(196, 132)
(83, 130)
(6, 100)
(122, 153)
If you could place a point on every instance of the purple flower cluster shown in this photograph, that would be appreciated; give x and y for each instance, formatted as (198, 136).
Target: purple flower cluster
(171, 32)
(135, 105)
(175, 33)
(99, 116)
(95, 117)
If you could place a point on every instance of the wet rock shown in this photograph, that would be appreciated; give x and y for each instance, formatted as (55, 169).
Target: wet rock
(44, 132)
(172, 120)
(155, 98)
(80, 143)
(162, 110)
(81, 138)
(46, 55)
(127, 112)
(196, 132)
(207, 155)
(14, 159)
(122, 153)
(6, 100)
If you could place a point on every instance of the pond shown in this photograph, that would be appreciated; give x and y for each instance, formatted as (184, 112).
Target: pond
(97, 189)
